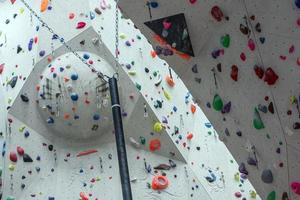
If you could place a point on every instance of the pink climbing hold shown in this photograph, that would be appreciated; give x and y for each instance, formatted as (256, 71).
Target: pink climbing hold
(298, 22)
(238, 195)
(20, 151)
(81, 25)
(251, 45)
(193, 1)
(71, 16)
(292, 49)
(12, 1)
(1, 68)
(217, 13)
(243, 56)
(167, 25)
(83, 196)
(13, 156)
(296, 187)
(270, 76)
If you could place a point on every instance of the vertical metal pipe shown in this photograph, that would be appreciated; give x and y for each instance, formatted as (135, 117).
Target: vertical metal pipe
(120, 140)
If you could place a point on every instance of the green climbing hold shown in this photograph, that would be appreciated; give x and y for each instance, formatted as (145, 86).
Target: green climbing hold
(257, 122)
(142, 140)
(225, 41)
(217, 103)
(10, 198)
(138, 86)
(272, 196)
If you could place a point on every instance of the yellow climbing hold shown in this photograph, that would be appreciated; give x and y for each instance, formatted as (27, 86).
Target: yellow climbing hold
(167, 95)
(237, 177)
(44, 5)
(132, 73)
(9, 100)
(11, 167)
(122, 36)
(21, 129)
(252, 194)
(21, 10)
(293, 99)
(157, 127)
(98, 178)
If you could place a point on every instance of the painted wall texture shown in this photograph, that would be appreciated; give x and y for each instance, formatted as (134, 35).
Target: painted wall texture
(157, 109)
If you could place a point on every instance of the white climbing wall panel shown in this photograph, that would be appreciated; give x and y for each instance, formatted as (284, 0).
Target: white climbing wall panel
(204, 167)
(272, 42)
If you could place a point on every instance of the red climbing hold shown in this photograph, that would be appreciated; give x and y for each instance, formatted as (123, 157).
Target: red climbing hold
(296, 187)
(298, 62)
(12, 1)
(13, 156)
(1, 68)
(270, 76)
(160, 182)
(193, 108)
(217, 13)
(259, 71)
(81, 25)
(234, 72)
(243, 56)
(83, 196)
(251, 45)
(190, 136)
(193, 1)
(20, 151)
(154, 145)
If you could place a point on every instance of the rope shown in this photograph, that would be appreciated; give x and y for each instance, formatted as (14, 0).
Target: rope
(117, 39)
(62, 41)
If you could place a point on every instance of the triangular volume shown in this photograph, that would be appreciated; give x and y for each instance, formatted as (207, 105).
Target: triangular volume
(174, 31)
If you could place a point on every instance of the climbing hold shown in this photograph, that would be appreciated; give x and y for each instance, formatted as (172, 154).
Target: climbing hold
(162, 167)
(267, 176)
(226, 108)
(262, 108)
(259, 71)
(74, 76)
(243, 56)
(13, 156)
(42, 53)
(98, 11)
(193, 108)
(154, 145)
(83, 196)
(44, 5)
(272, 196)
(24, 98)
(219, 67)
(225, 41)
(50, 120)
(217, 103)
(87, 152)
(238, 194)
(74, 96)
(167, 95)
(251, 161)
(170, 81)
(195, 69)
(20, 151)
(234, 72)
(80, 25)
(217, 13)
(296, 187)
(1, 68)
(270, 76)
(242, 169)
(13, 81)
(251, 44)
(271, 108)
(297, 3)
(27, 158)
(189, 136)
(285, 196)
(10, 198)
(296, 125)
(257, 122)
(160, 182)
(134, 143)
(157, 127)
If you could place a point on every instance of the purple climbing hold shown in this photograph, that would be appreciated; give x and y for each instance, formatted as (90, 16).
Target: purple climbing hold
(226, 108)
(242, 169)
(251, 161)
(267, 176)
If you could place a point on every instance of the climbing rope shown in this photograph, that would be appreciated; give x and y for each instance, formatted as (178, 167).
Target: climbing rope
(62, 41)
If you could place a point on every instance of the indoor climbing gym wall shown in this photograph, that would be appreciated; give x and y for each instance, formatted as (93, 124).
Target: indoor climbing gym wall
(240, 61)
(58, 138)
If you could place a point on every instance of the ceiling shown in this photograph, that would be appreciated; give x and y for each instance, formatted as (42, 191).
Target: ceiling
(226, 69)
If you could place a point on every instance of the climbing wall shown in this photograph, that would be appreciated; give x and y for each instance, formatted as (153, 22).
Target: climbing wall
(168, 136)
(244, 74)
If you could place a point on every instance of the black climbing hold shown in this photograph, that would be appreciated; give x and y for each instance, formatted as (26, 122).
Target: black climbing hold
(50, 147)
(278, 150)
(24, 98)
(227, 132)
(219, 67)
(271, 108)
(147, 70)
(239, 133)
(285, 196)
(82, 42)
(19, 49)
(195, 69)
(267, 176)
(163, 167)
(27, 158)
(296, 125)
(198, 80)
(258, 27)
(176, 32)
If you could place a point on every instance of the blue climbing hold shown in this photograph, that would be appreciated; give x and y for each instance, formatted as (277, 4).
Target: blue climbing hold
(50, 120)
(153, 4)
(26, 134)
(74, 77)
(74, 97)
(96, 117)
(30, 44)
(42, 53)
(297, 2)
(86, 56)
(92, 15)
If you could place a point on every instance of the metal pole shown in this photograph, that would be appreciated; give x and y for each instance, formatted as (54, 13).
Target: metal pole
(120, 140)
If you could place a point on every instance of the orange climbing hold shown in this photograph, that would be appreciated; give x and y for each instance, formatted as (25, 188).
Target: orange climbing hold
(190, 136)
(88, 152)
(153, 54)
(170, 81)
(154, 145)
(44, 5)
(193, 108)
(160, 182)
(83, 196)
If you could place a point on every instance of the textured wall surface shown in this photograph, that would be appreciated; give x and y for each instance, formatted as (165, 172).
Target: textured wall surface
(204, 167)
